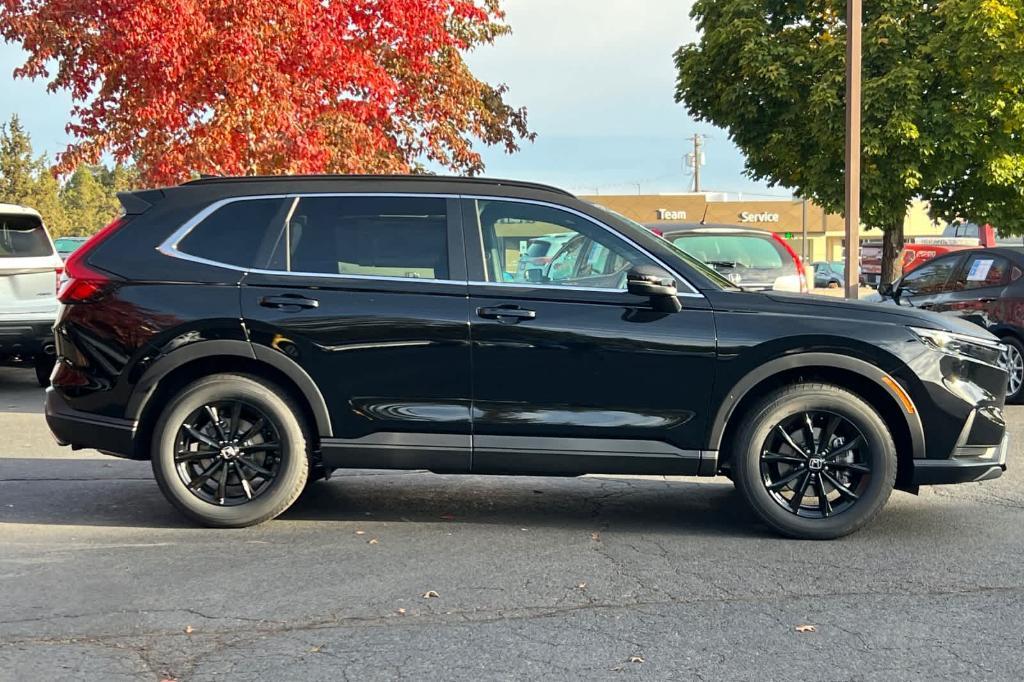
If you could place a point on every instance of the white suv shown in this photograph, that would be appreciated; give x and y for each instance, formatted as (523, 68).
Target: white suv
(29, 271)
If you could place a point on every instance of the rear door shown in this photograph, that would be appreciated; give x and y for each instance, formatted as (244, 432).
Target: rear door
(368, 294)
(976, 292)
(28, 269)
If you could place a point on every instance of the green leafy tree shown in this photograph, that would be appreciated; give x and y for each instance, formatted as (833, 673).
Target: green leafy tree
(89, 199)
(943, 91)
(25, 178)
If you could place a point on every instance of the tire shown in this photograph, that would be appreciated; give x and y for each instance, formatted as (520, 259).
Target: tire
(866, 470)
(44, 367)
(265, 497)
(1016, 349)
(833, 284)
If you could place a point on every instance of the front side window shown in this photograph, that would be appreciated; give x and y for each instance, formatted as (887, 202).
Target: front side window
(234, 233)
(931, 278)
(529, 243)
(367, 236)
(23, 236)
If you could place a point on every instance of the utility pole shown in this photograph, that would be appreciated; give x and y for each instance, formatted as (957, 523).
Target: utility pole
(697, 160)
(853, 108)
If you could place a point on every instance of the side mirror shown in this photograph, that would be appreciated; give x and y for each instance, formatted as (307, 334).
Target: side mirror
(890, 290)
(535, 275)
(655, 284)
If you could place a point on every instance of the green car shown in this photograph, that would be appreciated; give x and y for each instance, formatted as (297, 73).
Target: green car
(66, 245)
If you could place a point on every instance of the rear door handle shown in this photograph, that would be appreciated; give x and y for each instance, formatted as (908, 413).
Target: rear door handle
(289, 300)
(508, 314)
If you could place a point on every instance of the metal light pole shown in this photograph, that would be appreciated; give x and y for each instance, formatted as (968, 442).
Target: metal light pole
(853, 53)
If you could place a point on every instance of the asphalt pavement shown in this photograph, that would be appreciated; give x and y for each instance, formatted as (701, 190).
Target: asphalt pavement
(417, 576)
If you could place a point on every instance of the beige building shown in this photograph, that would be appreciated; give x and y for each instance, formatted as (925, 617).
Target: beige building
(788, 217)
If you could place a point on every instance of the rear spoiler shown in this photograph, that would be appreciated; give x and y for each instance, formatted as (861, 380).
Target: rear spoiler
(135, 203)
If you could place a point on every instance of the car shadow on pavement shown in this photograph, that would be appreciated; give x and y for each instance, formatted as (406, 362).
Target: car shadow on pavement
(118, 493)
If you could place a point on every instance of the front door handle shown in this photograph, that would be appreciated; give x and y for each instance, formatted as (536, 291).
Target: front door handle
(510, 314)
(289, 300)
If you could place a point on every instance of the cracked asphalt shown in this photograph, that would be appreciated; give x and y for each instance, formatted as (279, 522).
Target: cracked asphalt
(592, 578)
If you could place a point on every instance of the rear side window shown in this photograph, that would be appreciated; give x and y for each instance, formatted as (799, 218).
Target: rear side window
(234, 233)
(23, 236)
(735, 251)
(368, 236)
(985, 270)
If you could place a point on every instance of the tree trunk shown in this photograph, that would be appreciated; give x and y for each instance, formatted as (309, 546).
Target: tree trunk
(892, 247)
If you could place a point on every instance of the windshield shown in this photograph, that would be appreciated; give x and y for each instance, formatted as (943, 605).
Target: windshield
(23, 236)
(694, 263)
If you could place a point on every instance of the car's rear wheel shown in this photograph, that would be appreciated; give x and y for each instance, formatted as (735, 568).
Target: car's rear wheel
(230, 451)
(1015, 367)
(814, 461)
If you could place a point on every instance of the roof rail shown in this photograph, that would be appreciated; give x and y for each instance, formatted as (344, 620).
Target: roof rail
(217, 179)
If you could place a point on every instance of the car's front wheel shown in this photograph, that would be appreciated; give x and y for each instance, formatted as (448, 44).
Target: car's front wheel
(229, 451)
(814, 461)
(1015, 367)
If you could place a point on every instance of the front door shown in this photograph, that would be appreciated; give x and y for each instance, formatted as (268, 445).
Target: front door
(926, 286)
(571, 373)
(368, 295)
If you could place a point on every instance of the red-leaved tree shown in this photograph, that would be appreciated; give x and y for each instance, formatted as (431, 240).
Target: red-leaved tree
(268, 86)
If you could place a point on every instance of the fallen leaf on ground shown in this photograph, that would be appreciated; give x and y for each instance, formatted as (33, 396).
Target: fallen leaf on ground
(316, 649)
(430, 594)
(189, 630)
(581, 586)
(360, 532)
(806, 628)
(636, 659)
(596, 537)
(373, 541)
(401, 612)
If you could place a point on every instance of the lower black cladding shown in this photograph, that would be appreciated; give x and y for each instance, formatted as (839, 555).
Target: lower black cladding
(84, 430)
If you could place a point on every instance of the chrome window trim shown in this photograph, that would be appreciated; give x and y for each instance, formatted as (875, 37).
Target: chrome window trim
(169, 247)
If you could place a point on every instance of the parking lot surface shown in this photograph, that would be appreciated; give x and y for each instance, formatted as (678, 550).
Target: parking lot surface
(378, 575)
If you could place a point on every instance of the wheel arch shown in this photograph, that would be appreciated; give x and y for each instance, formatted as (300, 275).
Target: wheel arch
(856, 375)
(175, 370)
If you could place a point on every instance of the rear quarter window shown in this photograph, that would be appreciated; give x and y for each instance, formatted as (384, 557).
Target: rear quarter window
(234, 233)
(23, 236)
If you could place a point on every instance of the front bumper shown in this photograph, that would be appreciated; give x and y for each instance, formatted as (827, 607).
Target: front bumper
(26, 338)
(968, 464)
(83, 430)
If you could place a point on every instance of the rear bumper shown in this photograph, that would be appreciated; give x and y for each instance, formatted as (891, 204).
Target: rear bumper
(82, 430)
(968, 464)
(30, 337)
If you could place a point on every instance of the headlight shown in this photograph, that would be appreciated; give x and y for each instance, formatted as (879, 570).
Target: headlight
(974, 348)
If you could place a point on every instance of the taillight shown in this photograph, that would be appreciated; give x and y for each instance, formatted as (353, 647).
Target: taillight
(796, 259)
(80, 282)
(58, 273)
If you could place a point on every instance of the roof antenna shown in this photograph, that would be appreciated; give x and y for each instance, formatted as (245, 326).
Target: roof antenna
(704, 218)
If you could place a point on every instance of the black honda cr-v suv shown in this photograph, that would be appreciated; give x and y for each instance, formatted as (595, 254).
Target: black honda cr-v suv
(249, 335)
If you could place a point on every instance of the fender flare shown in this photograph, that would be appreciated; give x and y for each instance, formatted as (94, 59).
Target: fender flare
(169, 362)
(829, 360)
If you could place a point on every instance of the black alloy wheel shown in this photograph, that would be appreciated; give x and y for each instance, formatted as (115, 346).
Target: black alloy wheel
(227, 452)
(231, 450)
(813, 464)
(813, 460)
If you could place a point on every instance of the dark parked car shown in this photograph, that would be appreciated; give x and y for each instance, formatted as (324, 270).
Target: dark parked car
(982, 286)
(828, 275)
(251, 334)
(754, 260)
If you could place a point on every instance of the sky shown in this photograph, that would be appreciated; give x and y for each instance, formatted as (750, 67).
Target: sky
(596, 77)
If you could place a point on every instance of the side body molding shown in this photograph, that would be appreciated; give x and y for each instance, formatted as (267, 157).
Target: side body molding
(810, 361)
(165, 364)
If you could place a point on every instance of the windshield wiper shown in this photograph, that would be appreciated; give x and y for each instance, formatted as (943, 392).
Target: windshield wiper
(721, 263)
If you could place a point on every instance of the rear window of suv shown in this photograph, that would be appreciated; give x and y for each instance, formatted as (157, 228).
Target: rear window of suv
(734, 250)
(23, 236)
(233, 233)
